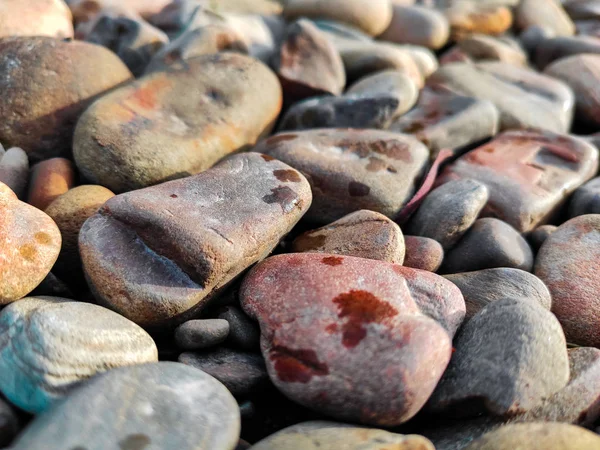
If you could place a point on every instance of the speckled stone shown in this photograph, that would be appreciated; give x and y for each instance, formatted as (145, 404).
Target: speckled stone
(423, 253)
(50, 344)
(568, 264)
(150, 399)
(350, 170)
(247, 204)
(364, 234)
(321, 315)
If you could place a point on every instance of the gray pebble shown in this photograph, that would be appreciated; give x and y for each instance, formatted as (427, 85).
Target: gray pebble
(197, 334)
(243, 332)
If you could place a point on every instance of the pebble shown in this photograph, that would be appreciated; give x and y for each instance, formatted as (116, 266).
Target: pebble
(449, 211)
(586, 199)
(568, 264)
(489, 243)
(35, 18)
(468, 17)
(350, 170)
(173, 124)
(538, 436)
(40, 107)
(443, 120)
(198, 334)
(583, 9)
(243, 332)
(544, 13)
(83, 9)
(492, 372)
(482, 287)
(14, 170)
(557, 48)
(370, 16)
(525, 98)
(332, 436)
(538, 236)
(320, 315)
(308, 64)
(29, 241)
(364, 234)
(529, 174)
(213, 226)
(417, 25)
(70, 211)
(240, 372)
(480, 47)
(582, 74)
(423, 253)
(150, 399)
(49, 180)
(372, 102)
(51, 344)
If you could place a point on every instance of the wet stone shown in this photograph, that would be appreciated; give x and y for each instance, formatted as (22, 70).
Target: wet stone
(423, 253)
(247, 204)
(364, 234)
(198, 334)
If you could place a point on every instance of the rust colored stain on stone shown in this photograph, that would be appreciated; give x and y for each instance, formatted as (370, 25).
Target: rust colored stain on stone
(360, 308)
(286, 197)
(28, 252)
(376, 164)
(145, 96)
(287, 175)
(331, 328)
(356, 189)
(297, 366)
(267, 158)
(332, 260)
(281, 138)
(42, 238)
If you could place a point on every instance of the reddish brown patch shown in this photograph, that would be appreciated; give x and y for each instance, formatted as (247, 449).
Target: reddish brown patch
(562, 152)
(391, 148)
(146, 96)
(174, 196)
(331, 328)
(332, 260)
(287, 175)
(309, 242)
(267, 158)
(356, 189)
(42, 238)
(274, 140)
(296, 366)
(360, 308)
(286, 197)
(376, 164)
(28, 252)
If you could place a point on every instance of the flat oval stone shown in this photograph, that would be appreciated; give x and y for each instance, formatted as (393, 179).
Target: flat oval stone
(443, 120)
(537, 436)
(582, 74)
(577, 402)
(524, 97)
(69, 212)
(350, 170)
(150, 398)
(320, 315)
(40, 107)
(492, 372)
(30, 243)
(449, 211)
(545, 13)
(373, 102)
(173, 124)
(480, 47)
(423, 253)
(468, 17)
(51, 344)
(364, 234)
(50, 179)
(373, 16)
(35, 18)
(417, 25)
(529, 174)
(212, 227)
(198, 334)
(330, 435)
(557, 48)
(568, 264)
(308, 64)
(14, 170)
(586, 199)
(483, 287)
(487, 244)
(241, 373)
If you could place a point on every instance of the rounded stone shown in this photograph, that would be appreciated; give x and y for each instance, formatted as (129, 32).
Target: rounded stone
(173, 124)
(243, 332)
(468, 17)
(417, 25)
(35, 18)
(554, 49)
(586, 199)
(40, 107)
(568, 264)
(538, 236)
(83, 9)
(364, 234)
(330, 435)
(423, 253)
(50, 179)
(198, 334)
(489, 243)
(30, 243)
(371, 16)
(51, 344)
(544, 13)
(14, 170)
(538, 436)
(149, 398)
